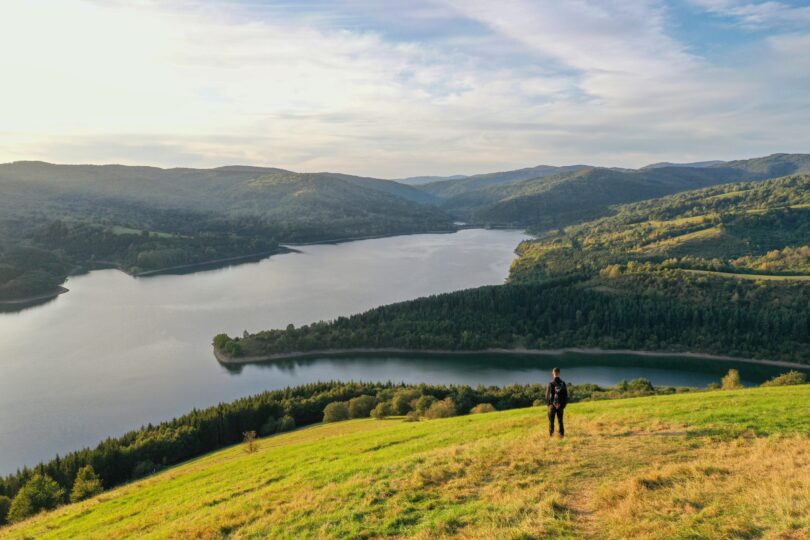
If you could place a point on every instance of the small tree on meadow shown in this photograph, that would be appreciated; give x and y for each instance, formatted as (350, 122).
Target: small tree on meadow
(337, 411)
(86, 485)
(732, 380)
(250, 442)
(40, 493)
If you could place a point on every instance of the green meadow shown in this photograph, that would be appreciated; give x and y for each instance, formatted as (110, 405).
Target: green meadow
(721, 464)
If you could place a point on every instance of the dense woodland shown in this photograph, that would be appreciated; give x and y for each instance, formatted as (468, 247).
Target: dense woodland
(151, 448)
(646, 278)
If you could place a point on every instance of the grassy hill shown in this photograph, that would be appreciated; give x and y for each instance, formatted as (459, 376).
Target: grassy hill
(724, 464)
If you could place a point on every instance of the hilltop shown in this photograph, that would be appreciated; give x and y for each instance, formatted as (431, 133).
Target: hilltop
(724, 464)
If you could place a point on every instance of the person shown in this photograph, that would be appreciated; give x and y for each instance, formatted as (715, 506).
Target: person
(557, 399)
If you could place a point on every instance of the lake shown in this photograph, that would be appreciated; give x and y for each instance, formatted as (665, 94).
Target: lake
(117, 352)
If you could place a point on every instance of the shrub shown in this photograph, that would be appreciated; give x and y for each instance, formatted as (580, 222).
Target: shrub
(143, 468)
(732, 380)
(538, 403)
(40, 493)
(250, 442)
(86, 485)
(422, 404)
(220, 340)
(285, 423)
(269, 427)
(401, 402)
(441, 409)
(382, 410)
(360, 407)
(5, 504)
(713, 386)
(337, 411)
(412, 416)
(641, 386)
(483, 408)
(787, 379)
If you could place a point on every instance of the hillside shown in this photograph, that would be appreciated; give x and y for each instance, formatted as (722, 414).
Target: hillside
(550, 197)
(62, 218)
(679, 466)
(658, 275)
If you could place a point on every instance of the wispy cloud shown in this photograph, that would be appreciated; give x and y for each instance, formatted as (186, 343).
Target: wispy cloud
(434, 87)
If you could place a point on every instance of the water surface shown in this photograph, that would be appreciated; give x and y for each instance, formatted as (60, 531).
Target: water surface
(116, 352)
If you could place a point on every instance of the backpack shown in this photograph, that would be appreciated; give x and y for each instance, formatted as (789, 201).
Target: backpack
(559, 394)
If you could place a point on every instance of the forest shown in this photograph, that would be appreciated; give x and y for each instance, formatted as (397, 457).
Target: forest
(647, 278)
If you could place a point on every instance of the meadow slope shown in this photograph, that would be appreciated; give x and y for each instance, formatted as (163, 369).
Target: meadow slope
(723, 464)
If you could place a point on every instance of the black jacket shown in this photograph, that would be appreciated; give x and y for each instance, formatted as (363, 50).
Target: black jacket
(563, 397)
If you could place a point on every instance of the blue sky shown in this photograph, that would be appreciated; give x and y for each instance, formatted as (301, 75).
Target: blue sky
(394, 89)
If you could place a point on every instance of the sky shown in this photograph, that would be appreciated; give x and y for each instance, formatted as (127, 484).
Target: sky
(395, 89)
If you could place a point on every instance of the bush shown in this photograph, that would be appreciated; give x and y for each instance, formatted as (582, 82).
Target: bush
(285, 423)
(220, 340)
(641, 386)
(412, 416)
(441, 409)
(360, 407)
(269, 427)
(422, 404)
(787, 379)
(732, 380)
(713, 386)
(483, 408)
(382, 410)
(401, 402)
(144, 468)
(539, 403)
(5, 504)
(337, 411)
(86, 485)
(40, 493)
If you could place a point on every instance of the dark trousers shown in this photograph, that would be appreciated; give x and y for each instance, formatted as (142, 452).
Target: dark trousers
(552, 412)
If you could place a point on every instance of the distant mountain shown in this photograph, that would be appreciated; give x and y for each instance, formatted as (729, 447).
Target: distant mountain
(54, 218)
(459, 186)
(698, 164)
(422, 180)
(561, 196)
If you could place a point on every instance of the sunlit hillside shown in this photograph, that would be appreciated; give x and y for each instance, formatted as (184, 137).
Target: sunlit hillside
(723, 464)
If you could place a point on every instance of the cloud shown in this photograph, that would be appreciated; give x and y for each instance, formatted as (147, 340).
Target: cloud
(757, 15)
(431, 87)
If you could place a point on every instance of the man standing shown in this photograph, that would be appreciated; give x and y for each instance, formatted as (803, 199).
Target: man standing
(556, 398)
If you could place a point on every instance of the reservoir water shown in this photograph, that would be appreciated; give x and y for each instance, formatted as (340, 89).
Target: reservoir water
(117, 352)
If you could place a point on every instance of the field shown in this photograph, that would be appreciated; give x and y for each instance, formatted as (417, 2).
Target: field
(724, 464)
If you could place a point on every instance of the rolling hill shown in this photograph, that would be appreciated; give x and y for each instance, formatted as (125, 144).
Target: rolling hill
(701, 465)
(55, 219)
(550, 197)
(659, 275)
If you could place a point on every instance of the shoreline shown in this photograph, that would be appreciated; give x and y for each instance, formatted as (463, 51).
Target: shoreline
(37, 298)
(372, 237)
(262, 254)
(226, 360)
